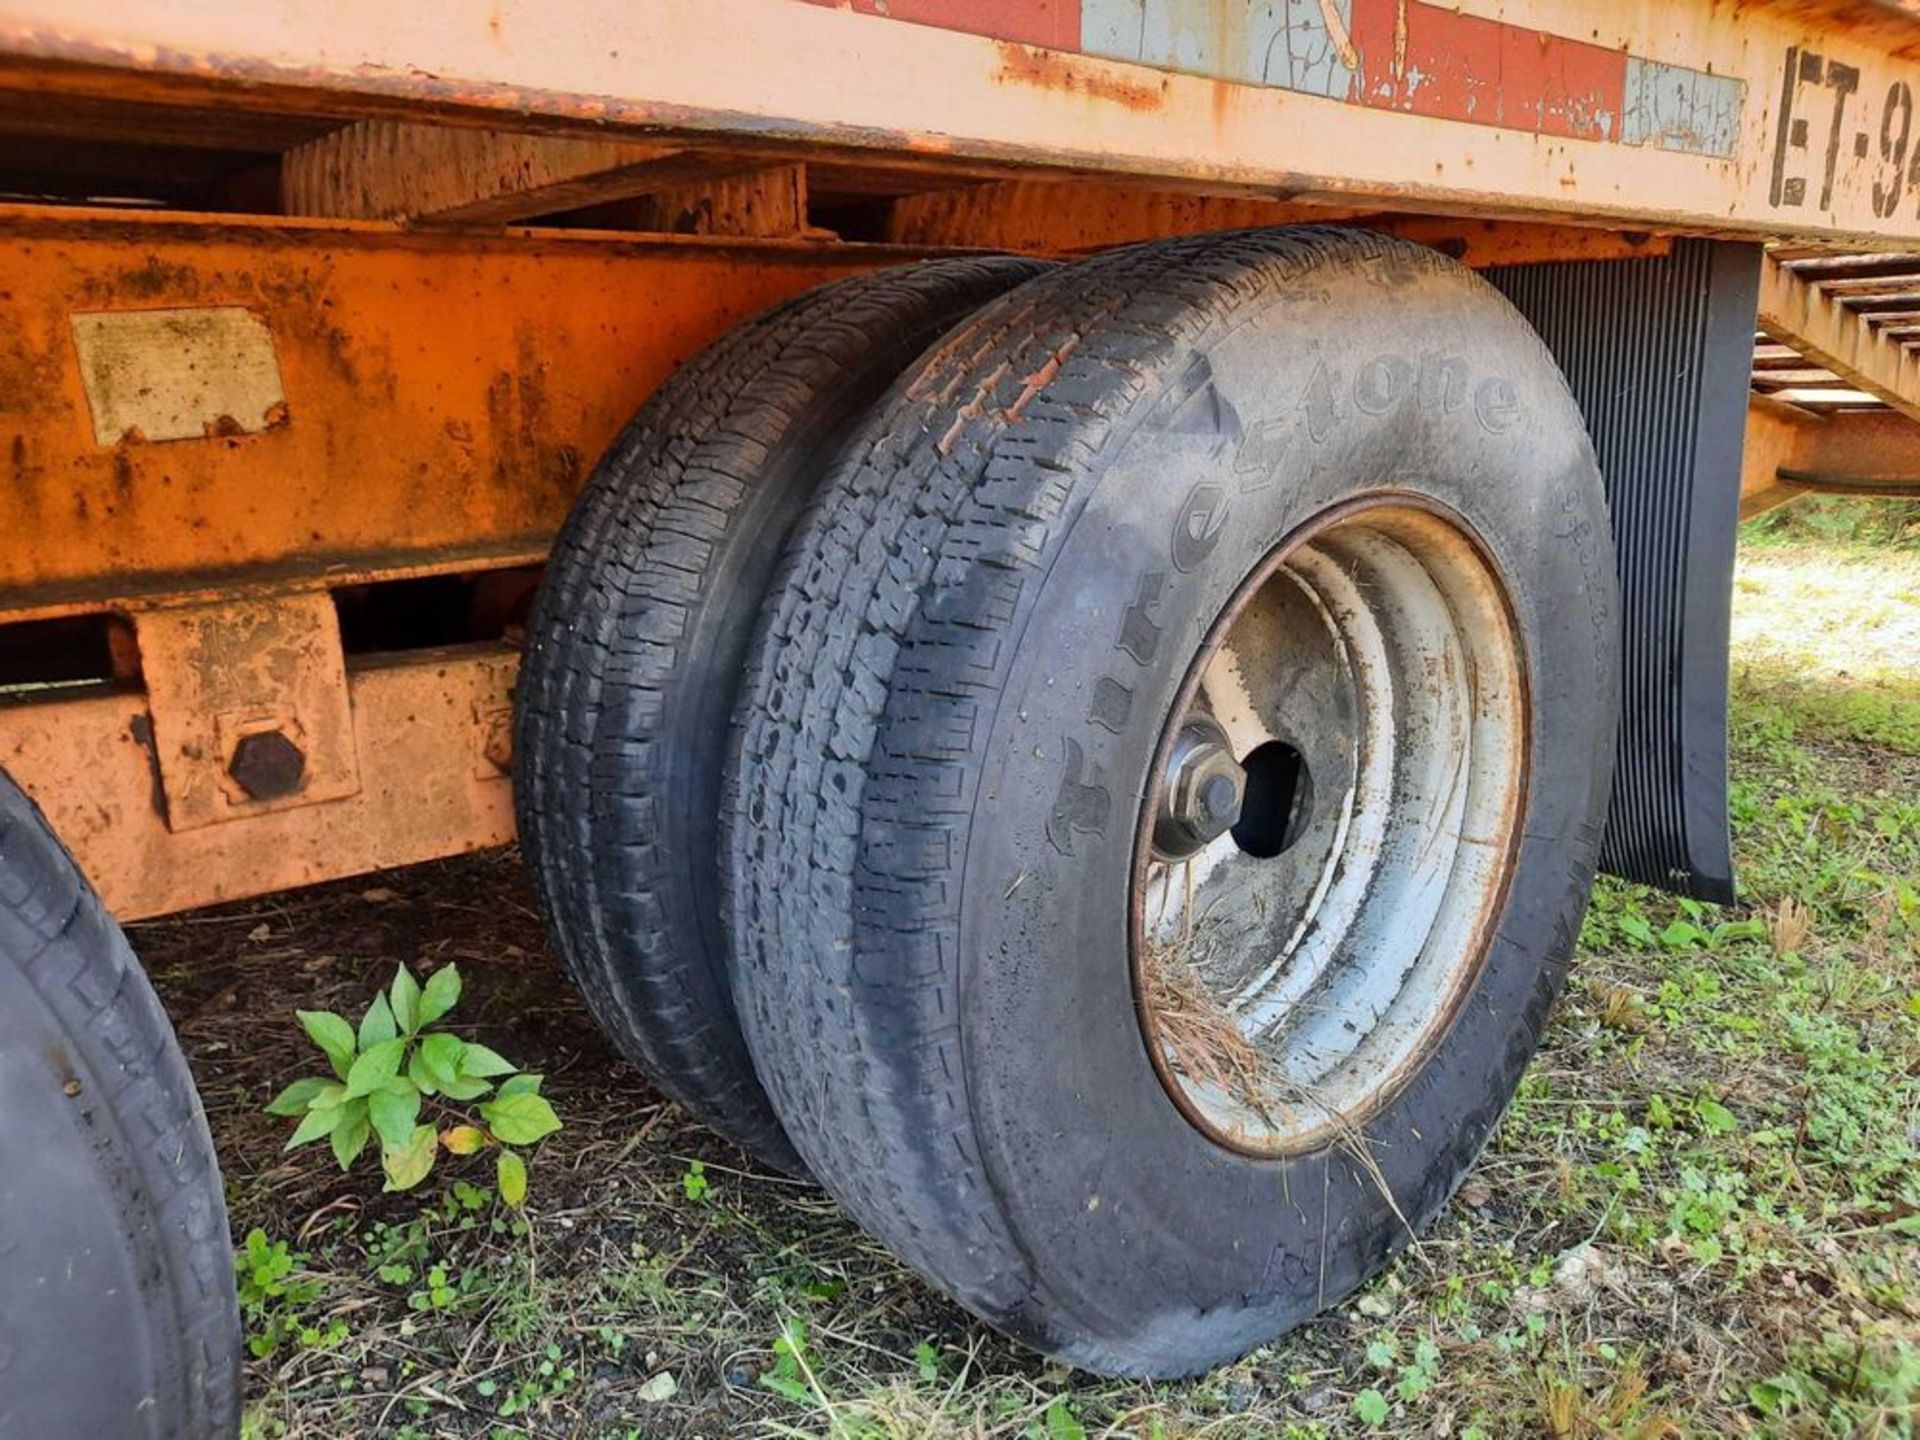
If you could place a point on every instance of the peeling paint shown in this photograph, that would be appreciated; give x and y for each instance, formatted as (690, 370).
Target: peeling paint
(1675, 108)
(1407, 55)
(1286, 44)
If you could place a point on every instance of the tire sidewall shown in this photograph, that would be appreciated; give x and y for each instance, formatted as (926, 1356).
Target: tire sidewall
(116, 1266)
(1403, 375)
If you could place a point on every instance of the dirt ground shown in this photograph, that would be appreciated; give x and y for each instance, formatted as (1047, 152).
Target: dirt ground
(1702, 1215)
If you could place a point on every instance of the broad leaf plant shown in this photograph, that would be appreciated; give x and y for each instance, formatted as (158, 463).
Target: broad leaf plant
(397, 1067)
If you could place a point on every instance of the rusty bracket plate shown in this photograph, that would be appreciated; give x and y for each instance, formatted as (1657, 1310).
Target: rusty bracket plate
(249, 705)
(433, 782)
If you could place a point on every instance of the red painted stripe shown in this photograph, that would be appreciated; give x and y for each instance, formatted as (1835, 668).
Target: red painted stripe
(1464, 67)
(1054, 24)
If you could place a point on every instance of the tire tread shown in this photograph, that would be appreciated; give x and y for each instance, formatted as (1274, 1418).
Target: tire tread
(598, 730)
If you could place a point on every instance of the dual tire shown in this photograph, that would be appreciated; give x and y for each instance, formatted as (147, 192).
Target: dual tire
(1142, 818)
(636, 646)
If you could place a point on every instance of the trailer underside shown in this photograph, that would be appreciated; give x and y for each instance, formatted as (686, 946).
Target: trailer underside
(317, 319)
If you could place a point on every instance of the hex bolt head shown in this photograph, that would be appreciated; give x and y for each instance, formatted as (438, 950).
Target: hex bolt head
(1219, 800)
(1202, 793)
(268, 766)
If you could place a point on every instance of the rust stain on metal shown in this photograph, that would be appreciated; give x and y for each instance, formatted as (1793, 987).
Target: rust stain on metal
(1051, 70)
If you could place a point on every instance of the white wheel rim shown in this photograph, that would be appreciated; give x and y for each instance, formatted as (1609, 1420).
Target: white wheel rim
(1372, 659)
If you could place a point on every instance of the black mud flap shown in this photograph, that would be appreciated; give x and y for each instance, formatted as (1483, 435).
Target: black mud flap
(1659, 353)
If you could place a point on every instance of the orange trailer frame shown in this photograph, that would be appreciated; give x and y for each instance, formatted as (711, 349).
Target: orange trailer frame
(287, 335)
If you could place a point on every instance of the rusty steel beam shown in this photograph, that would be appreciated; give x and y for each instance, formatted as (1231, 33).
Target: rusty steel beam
(213, 425)
(389, 170)
(766, 202)
(1065, 217)
(1777, 119)
(1819, 326)
(1792, 452)
(1775, 437)
(188, 404)
(428, 750)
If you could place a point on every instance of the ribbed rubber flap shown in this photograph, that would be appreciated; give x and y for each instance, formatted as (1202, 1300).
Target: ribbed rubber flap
(1658, 353)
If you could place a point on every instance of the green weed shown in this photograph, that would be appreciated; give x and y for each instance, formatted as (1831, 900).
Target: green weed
(395, 1063)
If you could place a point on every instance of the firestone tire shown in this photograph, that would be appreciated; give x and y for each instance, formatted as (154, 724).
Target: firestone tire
(634, 651)
(117, 1306)
(960, 696)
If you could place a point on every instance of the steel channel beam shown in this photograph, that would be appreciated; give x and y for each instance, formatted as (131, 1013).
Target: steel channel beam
(1819, 325)
(427, 755)
(209, 424)
(1793, 117)
(1791, 452)
(192, 406)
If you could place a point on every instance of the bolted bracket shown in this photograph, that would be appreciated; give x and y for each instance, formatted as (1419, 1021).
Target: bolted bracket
(249, 705)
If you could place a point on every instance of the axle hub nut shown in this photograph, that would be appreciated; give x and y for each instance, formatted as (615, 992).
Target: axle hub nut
(1219, 800)
(1204, 789)
(268, 766)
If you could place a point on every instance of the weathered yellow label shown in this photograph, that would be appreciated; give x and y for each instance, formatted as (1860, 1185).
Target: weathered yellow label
(178, 374)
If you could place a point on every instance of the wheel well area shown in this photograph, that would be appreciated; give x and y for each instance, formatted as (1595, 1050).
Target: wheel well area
(352, 442)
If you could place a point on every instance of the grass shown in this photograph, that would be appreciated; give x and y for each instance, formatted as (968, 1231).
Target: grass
(1701, 1216)
(1198, 1039)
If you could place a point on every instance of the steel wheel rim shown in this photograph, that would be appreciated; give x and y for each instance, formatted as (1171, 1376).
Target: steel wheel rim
(1368, 680)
